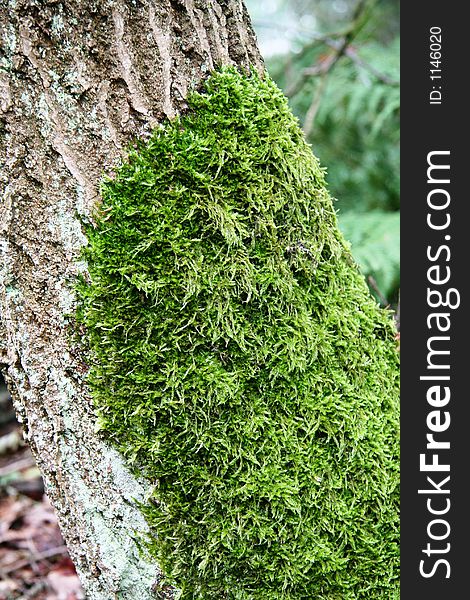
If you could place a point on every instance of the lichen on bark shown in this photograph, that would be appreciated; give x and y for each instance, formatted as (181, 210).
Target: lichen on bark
(78, 80)
(238, 361)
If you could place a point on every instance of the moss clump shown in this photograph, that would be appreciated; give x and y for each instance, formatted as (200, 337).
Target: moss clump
(238, 361)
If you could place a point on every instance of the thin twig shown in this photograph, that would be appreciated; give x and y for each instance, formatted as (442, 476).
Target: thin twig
(322, 68)
(351, 53)
(59, 550)
(314, 106)
(375, 287)
(19, 465)
(360, 62)
(327, 65)
(39, 586)
(340, 48)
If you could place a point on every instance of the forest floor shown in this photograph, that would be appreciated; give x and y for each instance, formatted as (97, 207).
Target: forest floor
(34, 562)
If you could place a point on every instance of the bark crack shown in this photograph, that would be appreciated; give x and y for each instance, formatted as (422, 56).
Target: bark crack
(58, 141)
(128, 72)
(163, 40)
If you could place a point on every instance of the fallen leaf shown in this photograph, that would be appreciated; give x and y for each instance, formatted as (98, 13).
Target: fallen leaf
(65, 586)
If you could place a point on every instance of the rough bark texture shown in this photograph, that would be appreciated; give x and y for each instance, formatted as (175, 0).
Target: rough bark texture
(78, 81)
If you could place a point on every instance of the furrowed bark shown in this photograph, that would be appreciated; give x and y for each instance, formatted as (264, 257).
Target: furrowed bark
(79, 80)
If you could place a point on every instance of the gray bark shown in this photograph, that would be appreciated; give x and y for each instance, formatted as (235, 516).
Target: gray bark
(78, 81)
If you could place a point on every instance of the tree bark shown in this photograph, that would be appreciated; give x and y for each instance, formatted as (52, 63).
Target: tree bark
(79, 80)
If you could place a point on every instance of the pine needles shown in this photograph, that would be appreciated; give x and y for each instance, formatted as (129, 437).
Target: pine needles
(238, 361)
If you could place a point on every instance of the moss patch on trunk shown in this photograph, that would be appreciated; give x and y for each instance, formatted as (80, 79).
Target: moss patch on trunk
(238, 360)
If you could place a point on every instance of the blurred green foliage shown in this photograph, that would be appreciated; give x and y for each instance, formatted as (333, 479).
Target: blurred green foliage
(354, 120)
(374, 237)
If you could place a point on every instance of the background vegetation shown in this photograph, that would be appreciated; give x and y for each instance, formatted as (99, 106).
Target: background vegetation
(338, 62)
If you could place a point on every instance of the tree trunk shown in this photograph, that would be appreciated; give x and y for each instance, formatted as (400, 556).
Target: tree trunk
(79, 80)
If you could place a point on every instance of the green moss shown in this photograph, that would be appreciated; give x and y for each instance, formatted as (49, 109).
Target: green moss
(238, 361)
